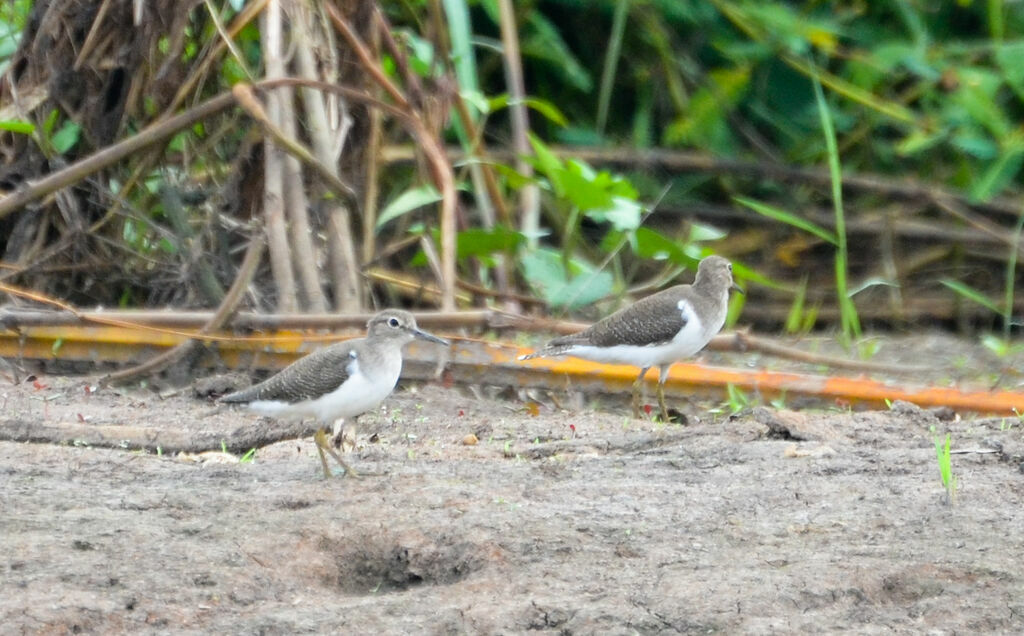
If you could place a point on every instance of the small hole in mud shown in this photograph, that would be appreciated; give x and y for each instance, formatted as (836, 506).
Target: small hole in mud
(779, 432)
(381, 564)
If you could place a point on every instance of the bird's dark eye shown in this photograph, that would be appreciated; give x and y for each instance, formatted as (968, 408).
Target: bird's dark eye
(730, 267)
(393, 322)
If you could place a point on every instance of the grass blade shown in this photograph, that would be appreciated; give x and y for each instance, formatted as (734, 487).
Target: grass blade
(972, 294)
(788, 218)
(847, 310)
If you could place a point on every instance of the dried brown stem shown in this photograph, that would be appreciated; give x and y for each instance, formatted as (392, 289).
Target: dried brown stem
(440, 168)
(529, 203)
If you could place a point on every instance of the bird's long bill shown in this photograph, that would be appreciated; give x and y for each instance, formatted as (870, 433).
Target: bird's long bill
(423, 335)
(736, 288)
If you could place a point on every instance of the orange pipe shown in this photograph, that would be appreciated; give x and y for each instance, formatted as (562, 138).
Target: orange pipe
(475, 361)
(684, 375)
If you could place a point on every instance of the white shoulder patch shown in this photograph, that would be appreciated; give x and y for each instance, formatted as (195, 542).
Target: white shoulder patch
(686, 309)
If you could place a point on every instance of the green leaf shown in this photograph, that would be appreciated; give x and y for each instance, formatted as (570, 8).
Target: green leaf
(704, 122)
(998, 176)
(1008, 56)
(919, 140)
(700, 232)
(545, 161)
(650, 244)
(513, 178)
(460, 32)
(408, 201)
(547, 109)
(66, 138)
(540, 39)
(973, 295)
(545, 270)
(542, 106)
(791, 219)
(622, 213)
(480, 242)
(21, 127)
(478, 100)
(796, 310)
(978, 95)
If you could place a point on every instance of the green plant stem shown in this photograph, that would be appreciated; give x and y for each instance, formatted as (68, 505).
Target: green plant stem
(847, 310)
(1011, 279)
(611, 62)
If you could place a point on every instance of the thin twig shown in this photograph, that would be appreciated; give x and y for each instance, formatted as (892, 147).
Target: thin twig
(227, 307)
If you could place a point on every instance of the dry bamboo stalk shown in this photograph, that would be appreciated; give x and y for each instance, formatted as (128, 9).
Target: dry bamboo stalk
(273, 163)
(529, 202)
(303, 249)
(371, 193)
(440, 168)
(329, 128)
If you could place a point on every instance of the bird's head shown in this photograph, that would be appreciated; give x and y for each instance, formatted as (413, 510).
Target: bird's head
(716, 271)
(395, 324)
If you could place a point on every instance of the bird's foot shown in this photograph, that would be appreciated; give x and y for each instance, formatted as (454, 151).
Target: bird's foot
(322, 445)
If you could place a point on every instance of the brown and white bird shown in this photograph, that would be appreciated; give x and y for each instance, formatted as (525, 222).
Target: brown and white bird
(338, 381)
(656, 330)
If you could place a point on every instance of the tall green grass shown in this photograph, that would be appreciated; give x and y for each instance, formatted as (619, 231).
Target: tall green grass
(847, 311)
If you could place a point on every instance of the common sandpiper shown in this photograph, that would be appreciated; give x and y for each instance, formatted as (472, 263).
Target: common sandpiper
(338, 381)
(657, 330)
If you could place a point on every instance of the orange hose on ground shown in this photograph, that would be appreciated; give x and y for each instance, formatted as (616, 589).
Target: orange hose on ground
(479, 362)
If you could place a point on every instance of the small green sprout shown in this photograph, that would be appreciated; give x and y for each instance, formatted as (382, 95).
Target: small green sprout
(942, 454)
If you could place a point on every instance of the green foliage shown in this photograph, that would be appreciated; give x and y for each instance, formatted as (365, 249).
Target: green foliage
(736, 399)
(788, 218)
(13, 17)
(20, 127)
(801, 319)
(848, 313)
(597, 194)
(412, 199)
(570, 287)
(1004, 308)
(66, 138)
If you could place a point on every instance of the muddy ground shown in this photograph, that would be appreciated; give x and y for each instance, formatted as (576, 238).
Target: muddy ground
(821, 521)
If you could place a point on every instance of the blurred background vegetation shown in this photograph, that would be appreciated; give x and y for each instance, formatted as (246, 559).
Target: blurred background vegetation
(859, 161)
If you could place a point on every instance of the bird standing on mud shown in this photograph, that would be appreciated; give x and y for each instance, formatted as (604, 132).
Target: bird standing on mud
(338, 381)
(657, 330)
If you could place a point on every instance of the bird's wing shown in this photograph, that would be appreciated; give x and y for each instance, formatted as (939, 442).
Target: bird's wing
(653, 320)
(308, 378)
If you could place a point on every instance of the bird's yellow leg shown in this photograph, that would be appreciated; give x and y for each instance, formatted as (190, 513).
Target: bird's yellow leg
(661, 402)
(637, 388)
(323, 444)
(318, 438)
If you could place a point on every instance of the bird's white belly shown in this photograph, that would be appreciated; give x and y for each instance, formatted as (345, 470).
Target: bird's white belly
(687, 342)
(356, 395)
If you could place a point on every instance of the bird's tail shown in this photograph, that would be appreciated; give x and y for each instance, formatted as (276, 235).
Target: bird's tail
(547, 352)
